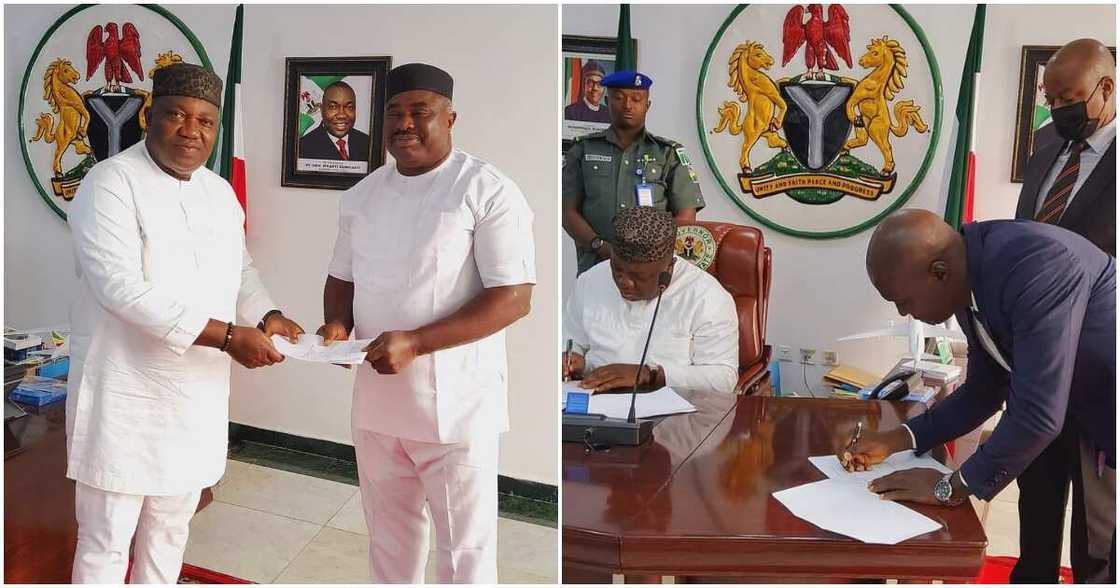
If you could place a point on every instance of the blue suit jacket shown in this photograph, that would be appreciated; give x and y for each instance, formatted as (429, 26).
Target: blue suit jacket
(1047, 297)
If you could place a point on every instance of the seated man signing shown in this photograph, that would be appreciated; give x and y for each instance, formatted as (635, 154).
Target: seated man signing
(695, 342)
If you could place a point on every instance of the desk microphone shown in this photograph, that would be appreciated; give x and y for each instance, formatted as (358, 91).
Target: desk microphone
(596, 431)
(663, 280)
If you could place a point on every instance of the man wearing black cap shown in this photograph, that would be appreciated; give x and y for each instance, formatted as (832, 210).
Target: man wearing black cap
(164, 273)
(622, 167)
(589, 107)
(336, 138)
(434, 259)
(695, 342)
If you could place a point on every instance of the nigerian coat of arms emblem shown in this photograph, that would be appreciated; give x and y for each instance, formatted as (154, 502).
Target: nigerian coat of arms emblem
(819, 120)
(86, 93)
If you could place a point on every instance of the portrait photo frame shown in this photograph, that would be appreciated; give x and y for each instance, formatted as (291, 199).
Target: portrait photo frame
(1032, 116)
(576, 53)
(314, 155)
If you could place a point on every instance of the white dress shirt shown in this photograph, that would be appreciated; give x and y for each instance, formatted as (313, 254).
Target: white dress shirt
(146, 410)
(418, 248)
(695, 340)
(1098, 142)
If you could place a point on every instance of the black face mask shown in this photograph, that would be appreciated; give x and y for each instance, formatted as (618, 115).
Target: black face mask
(1072, 121)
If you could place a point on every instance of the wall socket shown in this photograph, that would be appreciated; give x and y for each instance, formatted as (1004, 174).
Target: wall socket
(829, 358)
(807, 356)
(785, 353)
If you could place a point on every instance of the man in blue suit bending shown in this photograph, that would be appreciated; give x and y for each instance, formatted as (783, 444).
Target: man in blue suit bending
(1038, 306)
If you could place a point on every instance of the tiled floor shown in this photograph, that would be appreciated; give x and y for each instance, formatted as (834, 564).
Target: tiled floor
(271, 526)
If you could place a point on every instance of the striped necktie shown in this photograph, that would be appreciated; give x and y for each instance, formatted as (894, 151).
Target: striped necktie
(1055, 203)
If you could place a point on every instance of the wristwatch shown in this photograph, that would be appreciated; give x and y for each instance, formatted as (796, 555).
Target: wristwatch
(596, 244)
(943, 490)
(267, 315)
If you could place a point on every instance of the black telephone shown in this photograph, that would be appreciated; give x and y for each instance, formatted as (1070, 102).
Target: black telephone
(897, 386)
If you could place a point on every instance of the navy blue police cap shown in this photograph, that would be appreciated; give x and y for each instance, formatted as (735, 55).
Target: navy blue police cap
(628, 79)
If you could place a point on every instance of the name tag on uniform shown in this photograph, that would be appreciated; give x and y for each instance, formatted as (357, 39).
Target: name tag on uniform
(596, 157)
(577, 403)
(644, 193)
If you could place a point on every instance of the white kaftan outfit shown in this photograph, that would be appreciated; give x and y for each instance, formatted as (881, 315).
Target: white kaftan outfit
(695, 340)
(417, 249)
(146, 411)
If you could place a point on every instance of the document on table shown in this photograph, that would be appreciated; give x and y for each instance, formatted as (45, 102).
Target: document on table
(661, 402)
(849, 508)
(843, 504)
(311, 348)
(830, 466)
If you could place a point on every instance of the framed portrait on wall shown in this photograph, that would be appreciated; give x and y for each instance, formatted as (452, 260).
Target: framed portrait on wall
(333, 108)
(586, 61)
(1032, 119)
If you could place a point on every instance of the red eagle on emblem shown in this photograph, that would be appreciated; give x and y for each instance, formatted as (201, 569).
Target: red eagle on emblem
(818, 35)
(118, 53)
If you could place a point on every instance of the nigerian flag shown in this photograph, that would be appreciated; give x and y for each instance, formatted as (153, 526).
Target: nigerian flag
(310, 97)
(962, 181)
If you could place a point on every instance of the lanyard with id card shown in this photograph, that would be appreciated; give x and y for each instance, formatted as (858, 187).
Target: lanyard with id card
(643, 191)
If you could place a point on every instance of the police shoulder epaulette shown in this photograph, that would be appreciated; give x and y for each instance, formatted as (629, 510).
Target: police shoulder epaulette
(665, 141)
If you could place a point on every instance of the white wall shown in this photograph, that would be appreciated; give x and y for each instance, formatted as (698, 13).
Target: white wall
(1009, 27)
(292, 230)
(820, 291)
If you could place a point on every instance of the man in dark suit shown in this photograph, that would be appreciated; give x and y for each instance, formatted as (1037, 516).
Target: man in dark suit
(1070, 182)
(589, 107)
(336, 138)
(1038, 306)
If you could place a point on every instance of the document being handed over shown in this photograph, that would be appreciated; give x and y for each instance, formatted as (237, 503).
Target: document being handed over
(311, 348)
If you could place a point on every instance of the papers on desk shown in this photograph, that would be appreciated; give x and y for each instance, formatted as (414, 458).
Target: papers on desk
(311, 348)
(849, 508)
(660, 402)
(843, 504)
(830, 466)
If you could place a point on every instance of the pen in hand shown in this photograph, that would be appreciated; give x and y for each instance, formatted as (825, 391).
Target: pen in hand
(568, 356)
(848, 457)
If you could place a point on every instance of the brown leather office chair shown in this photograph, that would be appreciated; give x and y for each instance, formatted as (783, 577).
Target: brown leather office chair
(737, 256)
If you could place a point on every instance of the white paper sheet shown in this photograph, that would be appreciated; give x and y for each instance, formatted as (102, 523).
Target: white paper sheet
(830, 466)
(311, 348)
(851, 509)
(660, 402)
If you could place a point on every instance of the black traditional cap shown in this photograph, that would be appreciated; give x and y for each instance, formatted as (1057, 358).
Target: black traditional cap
(187, 79)
(644, 234)
(419, 76)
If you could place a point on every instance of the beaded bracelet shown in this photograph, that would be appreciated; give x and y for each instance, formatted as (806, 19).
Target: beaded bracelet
(229, 337)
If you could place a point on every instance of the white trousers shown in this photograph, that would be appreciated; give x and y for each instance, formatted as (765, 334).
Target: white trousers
(107, 522)
(458, 482)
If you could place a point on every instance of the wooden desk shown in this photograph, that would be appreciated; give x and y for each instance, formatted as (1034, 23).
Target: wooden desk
(605, 490)
(40, 530)
(714, 514)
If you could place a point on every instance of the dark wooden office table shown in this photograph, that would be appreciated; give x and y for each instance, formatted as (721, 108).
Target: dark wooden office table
(606, 490)
(40, 530)
(713, 514)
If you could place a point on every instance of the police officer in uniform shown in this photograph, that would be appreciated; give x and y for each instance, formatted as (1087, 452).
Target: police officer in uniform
(622, 167)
